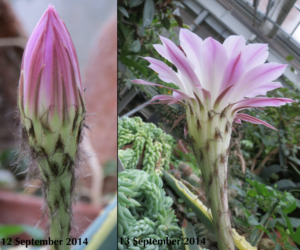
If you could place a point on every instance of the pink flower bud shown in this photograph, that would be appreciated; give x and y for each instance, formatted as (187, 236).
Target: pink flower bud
(50, 83)
(51, 100)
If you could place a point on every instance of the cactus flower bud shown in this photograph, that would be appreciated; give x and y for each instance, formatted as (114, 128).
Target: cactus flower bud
(215, 82)
(50, 91)
(52, 110)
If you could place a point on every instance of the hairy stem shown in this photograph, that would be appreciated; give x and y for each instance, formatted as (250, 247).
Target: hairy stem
(210, 132)
(58, 177)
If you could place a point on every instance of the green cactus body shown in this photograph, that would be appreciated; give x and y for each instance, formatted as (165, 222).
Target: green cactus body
(54, 149)
(137, 146)
(144, 211)
(144, 137)
(166, 154)
(126, 156)
(210, 133)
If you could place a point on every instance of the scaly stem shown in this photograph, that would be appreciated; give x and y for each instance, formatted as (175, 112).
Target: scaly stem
(57, 173)
(210, 133)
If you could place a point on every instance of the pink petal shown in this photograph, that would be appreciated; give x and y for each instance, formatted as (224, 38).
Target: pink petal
(175, 94)
(265, 88)
(234, 71)
(237, 121)
(185, 130)
(177, 99)
(181, 63)
(162, 51)
(256, 77)
(139, 81)
(162, 98)
(214, 61)
(52, 79)
(249, 118)
(254, 55)
(165, 73)
(191, 44)
(234, 45)
(260, 102)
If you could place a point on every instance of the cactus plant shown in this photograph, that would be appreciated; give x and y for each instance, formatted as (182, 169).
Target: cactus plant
(144, 137)
(52, 110)
(144, 210)
(215, 82)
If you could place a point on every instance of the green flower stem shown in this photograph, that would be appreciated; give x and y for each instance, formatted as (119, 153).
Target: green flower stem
(58, 176)
(210, 133)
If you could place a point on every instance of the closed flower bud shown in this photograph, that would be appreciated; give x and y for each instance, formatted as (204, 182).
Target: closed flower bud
(51, 98)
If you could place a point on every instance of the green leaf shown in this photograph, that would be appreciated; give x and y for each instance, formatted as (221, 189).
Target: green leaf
(295, 168)
(123, 11)
(134, 3)
(238, 189)
(289, 58)
(285, 184)
(10, 230)
(185, 194)
(291, 207)
(253, 221)
(166, 23)
(296, 236)
(286, 221)
(148, 13)
(178, 20)
(297, 202)
(133, 64)
(135, 46)
(267, 172)
(294, 221)
(294, 159)
(188, 232)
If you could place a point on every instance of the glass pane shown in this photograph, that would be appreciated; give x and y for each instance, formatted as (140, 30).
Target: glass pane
(291, 21)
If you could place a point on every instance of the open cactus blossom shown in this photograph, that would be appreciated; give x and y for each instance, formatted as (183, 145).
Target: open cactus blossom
(216, 81)
(52, 108)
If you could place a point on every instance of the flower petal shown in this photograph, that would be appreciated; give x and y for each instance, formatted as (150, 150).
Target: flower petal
(255, 54)
(181, 63)
(140, 81)
(191, 44)
(237, 121)
(162, 51)
(265, 88)
(162, 98)
(260, 102)
(249, 118)
(254, 78)
(234, 45)
(165, 73)
(214, 61)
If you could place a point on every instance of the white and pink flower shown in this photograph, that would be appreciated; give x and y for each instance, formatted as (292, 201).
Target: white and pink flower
(219, 75)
